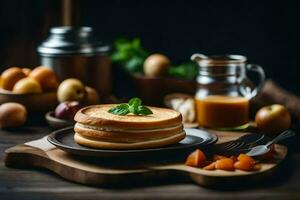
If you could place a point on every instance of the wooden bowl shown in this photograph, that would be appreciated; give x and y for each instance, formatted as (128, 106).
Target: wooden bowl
(56, 123)
(153, 89)
(42, 102)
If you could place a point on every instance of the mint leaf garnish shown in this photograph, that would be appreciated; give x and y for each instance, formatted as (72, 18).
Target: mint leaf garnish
(134, 106)
(143, 110)
(134, 103)
(121, 109)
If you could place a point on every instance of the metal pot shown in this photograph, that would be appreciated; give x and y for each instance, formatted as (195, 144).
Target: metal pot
(73, 52)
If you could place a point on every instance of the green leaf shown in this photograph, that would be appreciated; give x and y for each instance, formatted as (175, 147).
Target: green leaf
(143, 110)
(186, 70)
(134, 64)
(134, 106)
(136, 43)
(122, 109)
(135, 102)
(129, 54)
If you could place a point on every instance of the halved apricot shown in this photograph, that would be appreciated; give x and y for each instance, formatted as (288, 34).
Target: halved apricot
(196, 159)
(211, 166)
(225, 164)
(245, 163)
(245, 158)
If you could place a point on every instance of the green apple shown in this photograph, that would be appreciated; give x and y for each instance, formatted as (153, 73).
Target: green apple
(71, 90)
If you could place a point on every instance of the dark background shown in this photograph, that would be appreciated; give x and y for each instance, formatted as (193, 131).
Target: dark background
(267, 32)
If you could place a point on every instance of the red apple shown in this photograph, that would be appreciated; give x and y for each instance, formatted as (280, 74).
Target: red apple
(273, 119)
(67, 110)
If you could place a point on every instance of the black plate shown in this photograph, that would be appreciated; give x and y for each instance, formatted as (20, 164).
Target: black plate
(64, 140)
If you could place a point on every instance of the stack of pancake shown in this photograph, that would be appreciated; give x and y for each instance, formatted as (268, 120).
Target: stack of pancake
(97, 128)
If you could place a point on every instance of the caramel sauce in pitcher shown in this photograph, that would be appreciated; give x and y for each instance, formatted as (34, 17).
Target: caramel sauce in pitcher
(220, 111)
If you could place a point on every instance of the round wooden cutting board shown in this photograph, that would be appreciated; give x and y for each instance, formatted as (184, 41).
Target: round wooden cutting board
(111, 171)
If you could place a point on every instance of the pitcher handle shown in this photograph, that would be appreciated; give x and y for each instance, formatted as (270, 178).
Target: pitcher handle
(197, 57)
(258, 69)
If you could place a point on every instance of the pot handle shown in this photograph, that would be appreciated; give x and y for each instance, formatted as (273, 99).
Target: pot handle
(258, 69)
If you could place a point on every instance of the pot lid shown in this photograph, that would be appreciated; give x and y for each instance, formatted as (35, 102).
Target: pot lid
(72, 40)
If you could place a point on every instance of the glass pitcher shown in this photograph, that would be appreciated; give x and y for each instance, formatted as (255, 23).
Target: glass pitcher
(224, 90)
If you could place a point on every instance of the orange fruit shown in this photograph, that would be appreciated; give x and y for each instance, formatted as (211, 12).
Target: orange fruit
(211, 166)
(196, 159)
(246, 158)
(27, 86)
(46, 77)
(225, 164)
(10, 76)
(245, 163)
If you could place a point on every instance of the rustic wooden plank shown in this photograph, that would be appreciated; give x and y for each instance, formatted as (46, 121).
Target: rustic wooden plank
(160, 192)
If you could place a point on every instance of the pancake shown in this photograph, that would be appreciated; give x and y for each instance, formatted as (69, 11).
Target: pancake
(98, 144)
(97, 128)
(125, 136)
(97, 115)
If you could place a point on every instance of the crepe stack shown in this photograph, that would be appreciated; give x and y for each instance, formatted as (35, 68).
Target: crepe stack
(97, 128)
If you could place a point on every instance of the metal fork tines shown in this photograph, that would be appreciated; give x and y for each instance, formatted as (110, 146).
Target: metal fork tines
(234, 145)
(238, 145)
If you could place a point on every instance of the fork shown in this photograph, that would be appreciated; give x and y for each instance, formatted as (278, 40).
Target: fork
(243, 142)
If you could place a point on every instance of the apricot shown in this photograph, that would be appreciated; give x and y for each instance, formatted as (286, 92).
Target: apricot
(46, 77)
(246, 158)
(10, 76)
(245, 163)
(196, 159)
(225, 164)
(211, 166)
(27, 86)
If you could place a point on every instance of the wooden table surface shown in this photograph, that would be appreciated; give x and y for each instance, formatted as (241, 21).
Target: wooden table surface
(42, 184)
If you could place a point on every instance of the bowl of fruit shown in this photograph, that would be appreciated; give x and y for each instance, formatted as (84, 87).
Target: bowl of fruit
(35, 89)
(72, 95)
